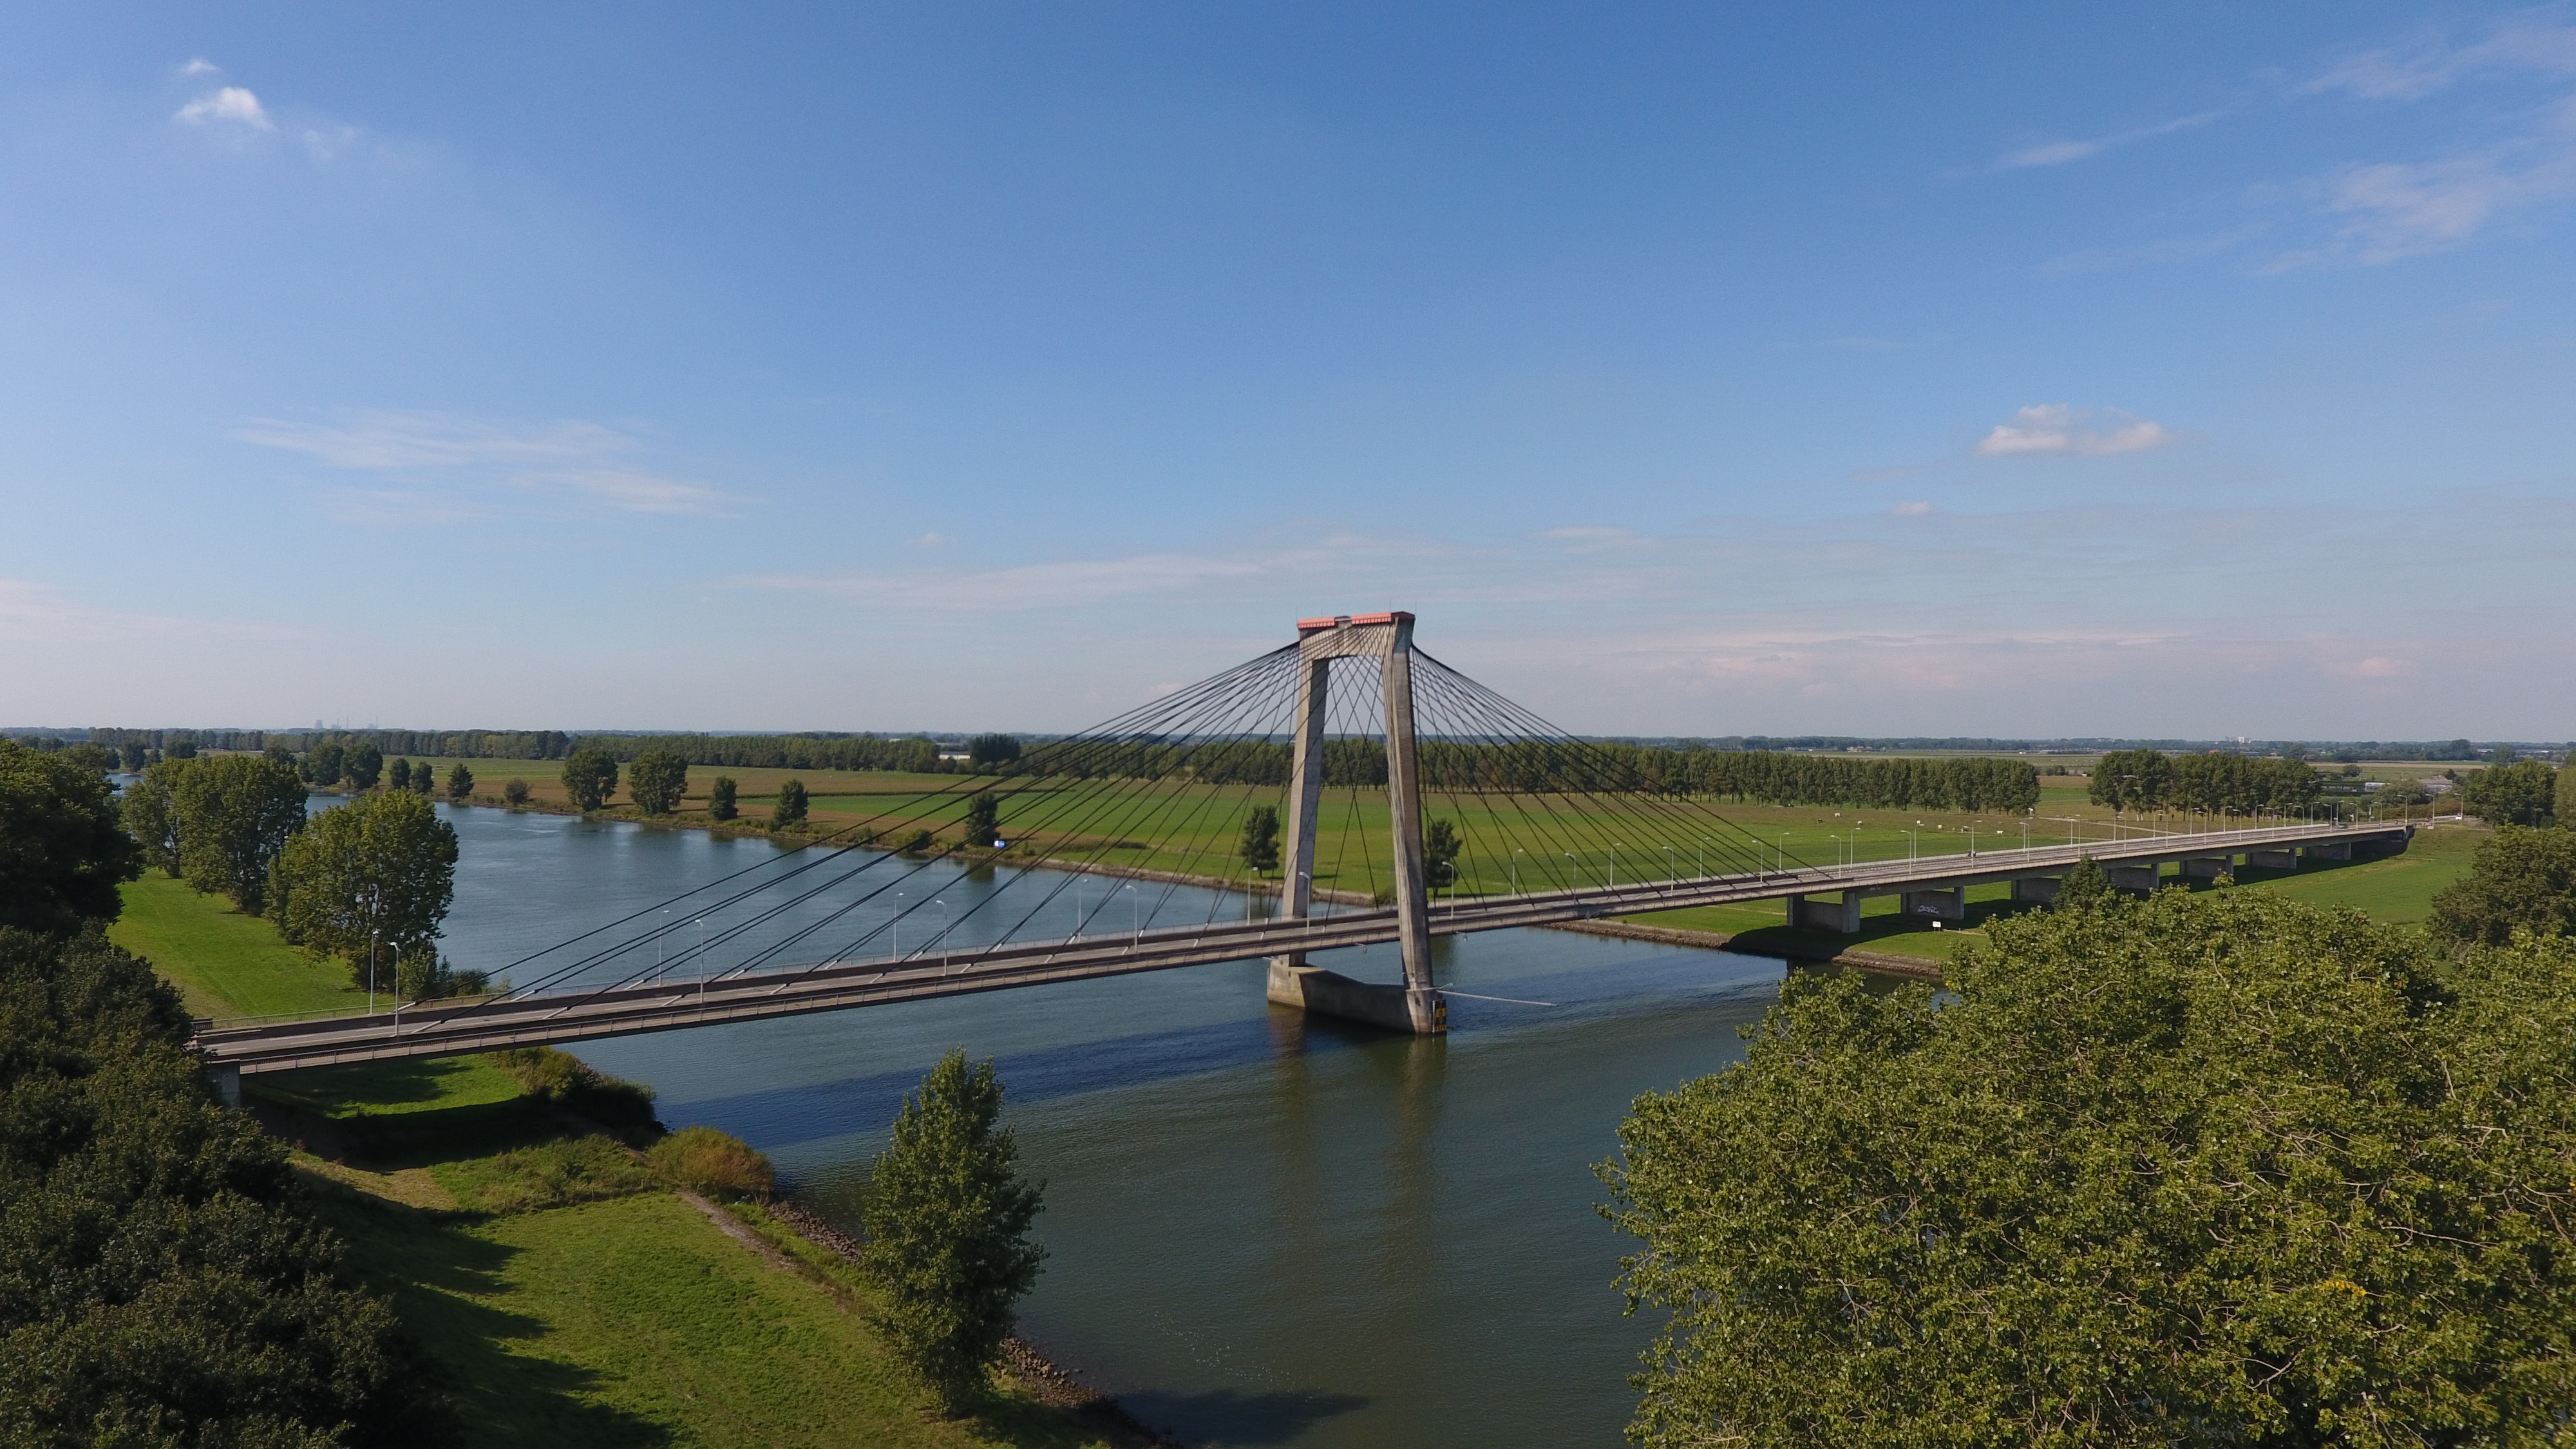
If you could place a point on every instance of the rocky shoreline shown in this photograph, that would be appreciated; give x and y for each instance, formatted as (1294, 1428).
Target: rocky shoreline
(1048, 1381)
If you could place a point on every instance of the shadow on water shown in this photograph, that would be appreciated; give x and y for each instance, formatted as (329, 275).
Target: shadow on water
(1226, 1417)
(787, 1116)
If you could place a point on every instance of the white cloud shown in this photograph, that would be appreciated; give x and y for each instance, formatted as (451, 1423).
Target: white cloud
(634, 492)
(2059, 153)
(2059, 428)
(2409, 209)
(2425, 63)
(40, 613)
(201, 66)
(231, 105)
(370, 438)
(1914, 509)
(591, 460)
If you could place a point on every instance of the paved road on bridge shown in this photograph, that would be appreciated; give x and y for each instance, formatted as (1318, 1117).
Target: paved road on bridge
(447, 1030)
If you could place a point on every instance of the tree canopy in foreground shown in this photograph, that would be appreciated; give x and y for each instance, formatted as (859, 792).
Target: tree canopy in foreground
(160, 1282)
(2189, 1170)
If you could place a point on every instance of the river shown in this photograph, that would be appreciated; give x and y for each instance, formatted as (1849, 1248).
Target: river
(1261, 1229)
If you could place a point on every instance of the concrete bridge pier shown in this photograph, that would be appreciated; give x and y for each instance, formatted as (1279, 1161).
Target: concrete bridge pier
(2337, 850)
(2273, 859)
(227, 1079)
(2207, 867)
(1815, 913)
(2034, 890)
(1941, 903)
(2137, 877)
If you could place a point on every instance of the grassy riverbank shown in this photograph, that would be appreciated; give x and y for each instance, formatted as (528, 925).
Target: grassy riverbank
(570, 1298)
(2398, 890)
(223, 962)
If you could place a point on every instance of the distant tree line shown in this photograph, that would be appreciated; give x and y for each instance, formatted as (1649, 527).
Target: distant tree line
(1771, 777)
(2228, 783)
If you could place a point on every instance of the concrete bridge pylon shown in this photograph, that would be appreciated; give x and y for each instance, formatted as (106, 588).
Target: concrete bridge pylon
(1417, 1006)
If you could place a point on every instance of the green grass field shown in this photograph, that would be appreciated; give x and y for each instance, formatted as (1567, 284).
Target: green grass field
(223, 962)
(569, 1299)
(2398, 891)
(1525, 842)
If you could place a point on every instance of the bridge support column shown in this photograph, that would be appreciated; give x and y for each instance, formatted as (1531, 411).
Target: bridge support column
(227, 1079)
(1941, 903)
(2337, 850)
(1416, 1006)
(1814, 913)
(2036, 890)
(2273, 859)
(2144, 877)
(2207, 867)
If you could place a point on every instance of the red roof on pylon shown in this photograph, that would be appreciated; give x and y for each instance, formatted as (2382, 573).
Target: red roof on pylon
(1340, 621)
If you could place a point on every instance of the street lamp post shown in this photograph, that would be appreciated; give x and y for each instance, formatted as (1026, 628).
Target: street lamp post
(1135, 923)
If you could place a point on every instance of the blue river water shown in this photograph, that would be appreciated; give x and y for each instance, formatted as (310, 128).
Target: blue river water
(1262, 1229)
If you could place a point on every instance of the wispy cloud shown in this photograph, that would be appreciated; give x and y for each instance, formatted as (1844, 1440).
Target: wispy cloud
(375, 438)
(2060, 153)
(201, 66)
(2538, 40)
(2409, 209)
(586, 459)
(41, 613)
(231, 105)
(2083, 432)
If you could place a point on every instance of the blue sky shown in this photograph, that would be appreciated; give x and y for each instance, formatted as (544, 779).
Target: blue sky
(2181, 369)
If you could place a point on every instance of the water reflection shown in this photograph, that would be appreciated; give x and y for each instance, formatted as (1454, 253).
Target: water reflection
(1264, 1229)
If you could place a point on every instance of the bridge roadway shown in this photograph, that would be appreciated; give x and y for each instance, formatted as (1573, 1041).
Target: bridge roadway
(447, 1030)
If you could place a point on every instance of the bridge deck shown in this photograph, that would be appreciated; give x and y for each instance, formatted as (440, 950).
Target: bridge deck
(446, 1030)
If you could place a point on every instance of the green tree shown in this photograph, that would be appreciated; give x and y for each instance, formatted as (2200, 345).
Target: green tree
(2083, 887)
(983, 820)
(2523, 794)
(63, 849)
(460, 782)
(368, 882)
(165, 1284)
(514, 792)
(2186, 1170)
(1440, 845)
(656, 780)
(720, 799)
(90, 757)
(151, 818)
(590, 777)
(1261, 838)
(232, 814)
(947, 1216)
(2523, 879)
(362, 765)
(790, 811)
(985, 751)
(398, 775)
(2566, 791)
(325, 764)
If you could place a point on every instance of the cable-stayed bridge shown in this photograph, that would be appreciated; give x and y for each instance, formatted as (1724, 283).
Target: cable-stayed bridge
(1412, 802)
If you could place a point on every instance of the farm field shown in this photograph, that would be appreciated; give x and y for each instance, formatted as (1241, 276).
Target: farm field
(1510, 842)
